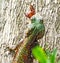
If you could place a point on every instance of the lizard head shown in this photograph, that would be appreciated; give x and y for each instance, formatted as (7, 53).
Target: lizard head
(37, 17)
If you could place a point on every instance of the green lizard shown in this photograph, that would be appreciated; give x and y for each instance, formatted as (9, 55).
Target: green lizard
(35, 31)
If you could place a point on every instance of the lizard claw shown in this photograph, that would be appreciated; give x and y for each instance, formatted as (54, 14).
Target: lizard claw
(11, 51)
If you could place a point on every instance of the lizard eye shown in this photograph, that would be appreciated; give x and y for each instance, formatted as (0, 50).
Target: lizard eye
(41, 21)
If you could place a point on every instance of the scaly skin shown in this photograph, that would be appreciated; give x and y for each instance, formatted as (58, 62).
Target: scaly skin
(35, 32)
(24, 53)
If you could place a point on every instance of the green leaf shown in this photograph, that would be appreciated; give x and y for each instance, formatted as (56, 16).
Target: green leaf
(39, 54)
(48, 53)
(59, 61)
(53, 56)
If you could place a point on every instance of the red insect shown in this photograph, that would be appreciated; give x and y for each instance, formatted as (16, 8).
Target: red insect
(31, 12)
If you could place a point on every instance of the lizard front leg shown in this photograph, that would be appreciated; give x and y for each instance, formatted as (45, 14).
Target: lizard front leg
(15, 50)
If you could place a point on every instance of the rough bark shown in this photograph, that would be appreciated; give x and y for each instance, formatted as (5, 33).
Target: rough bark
(13, 24)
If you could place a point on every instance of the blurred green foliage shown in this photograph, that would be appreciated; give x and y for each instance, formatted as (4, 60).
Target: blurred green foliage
(44, 56)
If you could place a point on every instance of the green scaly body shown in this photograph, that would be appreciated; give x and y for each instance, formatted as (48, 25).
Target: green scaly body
(24, 54)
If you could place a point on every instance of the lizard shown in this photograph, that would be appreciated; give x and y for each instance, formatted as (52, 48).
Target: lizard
(35, 31)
